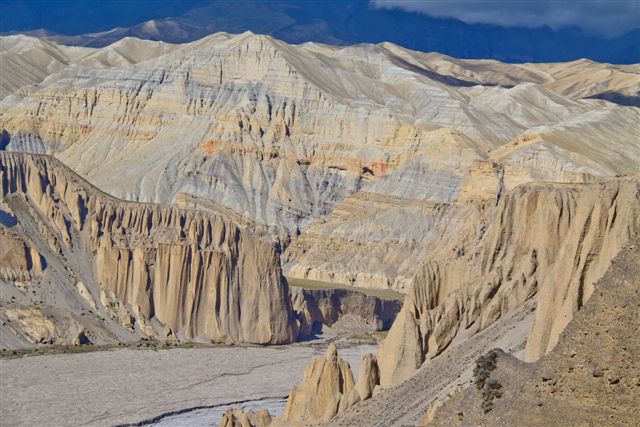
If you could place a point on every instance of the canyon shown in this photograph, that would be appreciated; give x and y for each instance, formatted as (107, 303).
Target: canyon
(241, 190)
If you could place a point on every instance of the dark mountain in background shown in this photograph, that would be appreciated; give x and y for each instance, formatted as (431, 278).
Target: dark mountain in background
(99, 23)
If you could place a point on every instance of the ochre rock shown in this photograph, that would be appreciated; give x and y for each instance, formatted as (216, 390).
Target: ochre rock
(590, 377)
(368, 376)
(197, 272)
(20, 261)
(326, 389)
(554, 239)
(33, 323)
(236, 417)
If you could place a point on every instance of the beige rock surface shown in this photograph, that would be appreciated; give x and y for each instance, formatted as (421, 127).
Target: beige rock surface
(590, 377)
(328, 306)
(20, 261)
(404, 403)
(236, 417)
(33, 323)
(26, 61)
(298, 128)
(195, 272)
(352, 148)
(548, 238)
(326, 389)
(475, 187)
(368, 377)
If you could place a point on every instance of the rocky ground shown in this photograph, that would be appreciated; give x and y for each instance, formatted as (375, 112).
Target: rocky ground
(105, 388)
(404, 404)
(591, 378)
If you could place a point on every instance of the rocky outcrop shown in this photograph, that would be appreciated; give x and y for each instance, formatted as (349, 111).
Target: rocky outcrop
(548, 238)
(589, 378)
(600, 226)
(26, 61)
(236, 417)
(43, 325)
(368, 376)
(327, 306)
(195, 272)
(284, 133)
(328, 389)
(33, 323)
(349, 167)
(20, 260)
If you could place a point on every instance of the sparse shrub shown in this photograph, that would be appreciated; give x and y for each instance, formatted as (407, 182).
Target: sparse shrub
(490, 389)
(484, 366)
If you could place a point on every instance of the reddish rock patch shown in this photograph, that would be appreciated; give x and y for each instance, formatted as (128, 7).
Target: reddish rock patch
(210, 146)
(379, 168)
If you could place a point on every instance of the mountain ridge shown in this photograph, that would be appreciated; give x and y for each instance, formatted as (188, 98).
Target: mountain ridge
(346, 22)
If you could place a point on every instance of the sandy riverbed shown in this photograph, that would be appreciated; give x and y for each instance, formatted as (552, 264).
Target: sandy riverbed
(106, 388)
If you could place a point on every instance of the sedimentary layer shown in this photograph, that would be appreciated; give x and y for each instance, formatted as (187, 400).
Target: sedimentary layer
(549, 240)
(591, 377)
(157, 270)
(282, 134)
(316, 307)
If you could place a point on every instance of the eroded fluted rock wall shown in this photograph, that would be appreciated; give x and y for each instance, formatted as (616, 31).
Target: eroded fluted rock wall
(328, 388)
(197, 273)
(328, 306)
(19, 258)
(548, 238)
(589, 378)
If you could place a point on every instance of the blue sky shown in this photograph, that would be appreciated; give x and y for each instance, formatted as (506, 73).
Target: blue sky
(507, 30)
(602, 17)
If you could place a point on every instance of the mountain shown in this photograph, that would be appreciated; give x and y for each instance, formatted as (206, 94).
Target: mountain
(331, 144)
(344, 22)
(27, 60)
(101, 270)
(183, 181)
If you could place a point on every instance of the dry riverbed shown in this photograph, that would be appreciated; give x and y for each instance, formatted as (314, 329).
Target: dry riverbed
(128, 386)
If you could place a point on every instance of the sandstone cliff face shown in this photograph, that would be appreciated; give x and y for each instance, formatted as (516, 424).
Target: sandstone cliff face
(589, 378)
(196, 273)
(20, 260)
(282, 134)
(351, 149)
(328, 388)
(236, 417)
(328, 306)
(556, 240)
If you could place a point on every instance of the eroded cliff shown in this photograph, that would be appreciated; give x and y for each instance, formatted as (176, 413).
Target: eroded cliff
(158, 270)
(591, 377)
(550, 239)
(316, 307)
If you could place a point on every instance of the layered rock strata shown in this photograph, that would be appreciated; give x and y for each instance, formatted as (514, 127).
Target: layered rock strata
(347, 153)
(554, 240)
(282, 134)
(196, 273)
(590, 377)
(314, 307)
(328, 388)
